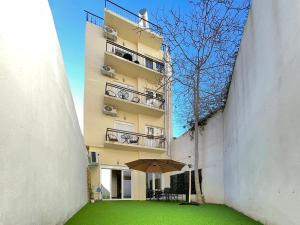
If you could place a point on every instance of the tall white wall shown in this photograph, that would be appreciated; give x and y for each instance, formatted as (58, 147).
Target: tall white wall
(261, 118)
(261, 125)
(42, 153)
(210, 157)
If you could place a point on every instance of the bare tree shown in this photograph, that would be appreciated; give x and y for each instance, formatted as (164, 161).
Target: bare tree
(203, 43)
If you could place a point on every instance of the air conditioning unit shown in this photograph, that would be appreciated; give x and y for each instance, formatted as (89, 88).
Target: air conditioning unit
(110, 110)
(93, 159)
(110, 33)
(107, 71)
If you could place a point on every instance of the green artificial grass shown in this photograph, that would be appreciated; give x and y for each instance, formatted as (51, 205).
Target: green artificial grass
(157, 213)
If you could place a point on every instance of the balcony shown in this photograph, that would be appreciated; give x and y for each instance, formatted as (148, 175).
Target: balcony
(125, 140)
(133, 101)
(94, 19)
(131, 63)
(131, 26)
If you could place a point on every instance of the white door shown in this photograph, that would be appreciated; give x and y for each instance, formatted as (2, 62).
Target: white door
(122, 126)
(106, 183)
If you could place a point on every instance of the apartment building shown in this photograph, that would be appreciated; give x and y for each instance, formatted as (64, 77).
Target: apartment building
(127, 106)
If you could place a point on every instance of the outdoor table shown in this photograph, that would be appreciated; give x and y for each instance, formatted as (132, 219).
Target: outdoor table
(126, 138)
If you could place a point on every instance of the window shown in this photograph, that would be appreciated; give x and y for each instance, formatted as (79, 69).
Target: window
(155, 142)
(159, 67)
(150, 130)
(94, 157)
(149, 63)
(158, 185)
(93, 160)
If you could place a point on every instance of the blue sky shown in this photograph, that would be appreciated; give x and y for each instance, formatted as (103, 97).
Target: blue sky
(69, 20)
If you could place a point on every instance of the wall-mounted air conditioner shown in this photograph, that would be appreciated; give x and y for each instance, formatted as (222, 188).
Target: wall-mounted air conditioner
(110, 110)
(107, 71)
(93, 159)
(110, 33)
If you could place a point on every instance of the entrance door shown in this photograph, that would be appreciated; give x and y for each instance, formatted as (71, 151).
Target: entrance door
(116, 183)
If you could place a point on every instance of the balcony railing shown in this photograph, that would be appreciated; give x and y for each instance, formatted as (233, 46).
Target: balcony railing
(133, 56)
(131, 138)
(127, 94)
(93, 18)
(132, 16)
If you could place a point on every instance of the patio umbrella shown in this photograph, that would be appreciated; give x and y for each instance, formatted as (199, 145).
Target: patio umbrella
(155, 165)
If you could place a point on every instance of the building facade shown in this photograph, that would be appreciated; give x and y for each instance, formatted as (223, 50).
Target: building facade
(126, 106)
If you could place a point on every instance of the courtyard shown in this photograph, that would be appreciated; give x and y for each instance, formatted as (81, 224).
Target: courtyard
(157, 213)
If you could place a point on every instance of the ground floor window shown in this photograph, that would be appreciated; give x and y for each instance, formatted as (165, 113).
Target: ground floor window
(154, 181)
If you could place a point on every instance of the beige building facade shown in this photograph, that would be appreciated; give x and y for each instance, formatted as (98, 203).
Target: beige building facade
(126, 106)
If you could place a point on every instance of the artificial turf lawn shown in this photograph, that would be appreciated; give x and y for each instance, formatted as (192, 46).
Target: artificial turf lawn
(157, 213)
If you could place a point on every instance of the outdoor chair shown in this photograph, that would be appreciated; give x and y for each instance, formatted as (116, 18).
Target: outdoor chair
(110, 93)
(134, 140)
(158, 194)
(135, 99)
(150, 136)
(112, 137)
(123, 94)
(119, 53)
(167, 192)
(173, 193)
(149, 194)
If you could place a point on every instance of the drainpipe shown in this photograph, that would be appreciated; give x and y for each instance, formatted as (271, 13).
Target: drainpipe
(168, 99)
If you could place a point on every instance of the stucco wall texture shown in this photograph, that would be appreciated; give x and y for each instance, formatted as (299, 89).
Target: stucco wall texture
(210, 157)
(261, 125)
(261, 118)
(42, 153)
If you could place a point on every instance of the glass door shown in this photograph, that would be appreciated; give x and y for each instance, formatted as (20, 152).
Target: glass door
(127, 184)
(106, 183)
(116, 183)
(151, 133)
(150, 136)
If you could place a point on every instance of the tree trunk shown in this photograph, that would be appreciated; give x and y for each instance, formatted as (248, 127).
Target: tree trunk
(196, 134)
(196, 167)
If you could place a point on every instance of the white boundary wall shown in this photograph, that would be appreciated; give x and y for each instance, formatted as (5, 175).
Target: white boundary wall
(211, 157)
(261, 125)
(261, 118)
(43, 159)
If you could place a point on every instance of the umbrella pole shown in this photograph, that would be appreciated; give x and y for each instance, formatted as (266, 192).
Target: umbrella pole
(190, 183)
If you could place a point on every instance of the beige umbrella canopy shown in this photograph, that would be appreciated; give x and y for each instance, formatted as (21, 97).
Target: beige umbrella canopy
(155, 165)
